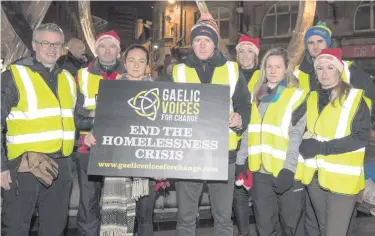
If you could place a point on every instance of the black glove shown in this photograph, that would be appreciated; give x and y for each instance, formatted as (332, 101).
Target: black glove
(284, 181)
(309, 148)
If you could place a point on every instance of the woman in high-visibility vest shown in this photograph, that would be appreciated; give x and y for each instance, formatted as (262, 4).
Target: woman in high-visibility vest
(275, 132)
(247, 59)
(338, 129)
(142, 191)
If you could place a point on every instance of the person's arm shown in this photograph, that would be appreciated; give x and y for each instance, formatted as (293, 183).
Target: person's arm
(296, 130)
(241, 101)
(243, 153)
(362, 80)
(9, 99)
(82, 118)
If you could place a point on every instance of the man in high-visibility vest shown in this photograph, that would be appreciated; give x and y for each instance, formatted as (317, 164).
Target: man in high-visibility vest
(207, 65)
(316, 39)
(37, 105)
(108, 66)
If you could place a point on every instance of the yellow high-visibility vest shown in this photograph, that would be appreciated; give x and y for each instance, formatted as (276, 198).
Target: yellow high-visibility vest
(227, 75)
(269, 137)
(253, 81)
(89, 87)
(41, 122)
(340, 173)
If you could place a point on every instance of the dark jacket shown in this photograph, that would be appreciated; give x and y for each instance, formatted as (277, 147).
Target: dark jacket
(82, 120)
(360, 129)
(358, 78)
(248, 73)
(10, 95)
(71, 63)
(240, 98)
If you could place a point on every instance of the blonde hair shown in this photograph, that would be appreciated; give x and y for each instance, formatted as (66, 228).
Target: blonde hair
(291, 80)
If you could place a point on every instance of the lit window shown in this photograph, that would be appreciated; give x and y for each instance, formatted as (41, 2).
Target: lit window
(364, 19)
(280, 19)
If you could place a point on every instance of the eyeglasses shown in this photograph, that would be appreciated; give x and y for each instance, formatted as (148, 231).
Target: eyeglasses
(46, 44)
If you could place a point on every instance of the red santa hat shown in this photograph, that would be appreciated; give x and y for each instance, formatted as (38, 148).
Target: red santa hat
(112, 35)
(252, 42)
(332, 55)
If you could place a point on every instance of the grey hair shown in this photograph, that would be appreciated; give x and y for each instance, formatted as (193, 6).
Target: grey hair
(48, 27)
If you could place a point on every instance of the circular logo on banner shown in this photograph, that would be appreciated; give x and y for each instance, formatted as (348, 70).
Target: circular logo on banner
(146, 103)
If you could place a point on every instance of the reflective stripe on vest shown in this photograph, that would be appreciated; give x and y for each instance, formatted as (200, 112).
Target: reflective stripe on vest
(89, 86)
(225, 75)
(341, 173)
(41, 122)
(269, 137)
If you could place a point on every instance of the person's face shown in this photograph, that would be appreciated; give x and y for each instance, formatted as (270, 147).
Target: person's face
(47, 47)
(246, 56)
(315, 45)
(328, 75)
(203, 47)
(275, 69)
(107, 51)
(136, 63)
(78, 50)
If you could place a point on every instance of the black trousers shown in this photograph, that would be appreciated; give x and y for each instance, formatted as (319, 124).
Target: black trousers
(145, 212)
(52, 203)
(241, 209)
(90, 187)
(275, 214)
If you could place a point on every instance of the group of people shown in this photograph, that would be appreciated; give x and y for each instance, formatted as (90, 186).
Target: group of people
(297, 138)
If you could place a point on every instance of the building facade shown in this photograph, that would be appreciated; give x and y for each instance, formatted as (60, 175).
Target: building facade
(352, 24)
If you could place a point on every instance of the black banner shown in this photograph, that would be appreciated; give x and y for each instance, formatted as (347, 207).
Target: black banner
(161, 129)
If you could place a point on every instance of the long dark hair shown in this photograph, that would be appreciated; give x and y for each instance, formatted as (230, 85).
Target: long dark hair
(136, 46)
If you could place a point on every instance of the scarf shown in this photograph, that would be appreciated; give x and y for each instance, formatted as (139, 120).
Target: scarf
(119, 200)
(268, 95)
